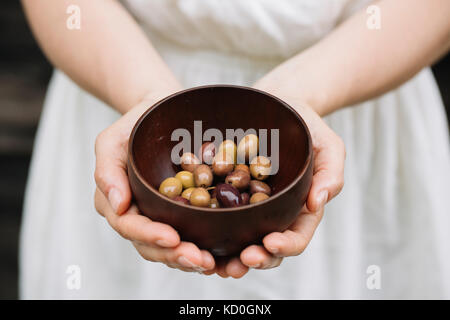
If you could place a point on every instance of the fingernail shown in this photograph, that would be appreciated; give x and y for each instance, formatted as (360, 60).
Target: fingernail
(199, 269)
(322, 198)
(163, 243)
(186, 263)
(273, 250)
(255, 265)
(114, 198)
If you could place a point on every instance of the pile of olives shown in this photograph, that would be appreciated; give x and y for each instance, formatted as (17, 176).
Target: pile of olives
(215, 180)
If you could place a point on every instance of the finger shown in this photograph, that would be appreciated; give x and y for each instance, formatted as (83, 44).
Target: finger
(185, 255)
(136, 227)
(257, 257)
(294, 241)
(208, 262)
(111, 170)
(235, 268)
(220, 269)
(328, 178)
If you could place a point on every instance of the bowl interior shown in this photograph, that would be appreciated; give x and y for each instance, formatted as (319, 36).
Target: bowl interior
(220, 107)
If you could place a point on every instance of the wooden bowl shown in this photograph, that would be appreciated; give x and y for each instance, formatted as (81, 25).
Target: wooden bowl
(224, 231)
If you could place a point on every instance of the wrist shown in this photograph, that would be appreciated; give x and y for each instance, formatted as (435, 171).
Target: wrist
(295, 91)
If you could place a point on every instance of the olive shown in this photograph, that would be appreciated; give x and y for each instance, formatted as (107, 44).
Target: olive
(214, 204)
(189, 161)
(258, 197)
(229, 147)
(203, 176)
(260, 167)
(187, 193)
(171, 187)
(181, 199)
(259, 186)
(248, 148)
(245, 197)
(242, 167)
(200, 197)
(238, 179)
(222, 164)
(228, 196)
(186, 178)
(207, 152)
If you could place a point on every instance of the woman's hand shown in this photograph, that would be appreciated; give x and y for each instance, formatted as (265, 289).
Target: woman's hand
(153, 240)
(328, 180)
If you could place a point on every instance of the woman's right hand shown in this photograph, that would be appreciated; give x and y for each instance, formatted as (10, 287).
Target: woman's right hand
(154, 241)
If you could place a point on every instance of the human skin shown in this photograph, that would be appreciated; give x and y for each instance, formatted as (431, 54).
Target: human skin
(350, 65)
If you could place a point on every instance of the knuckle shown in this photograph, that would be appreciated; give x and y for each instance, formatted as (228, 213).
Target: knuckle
(146, 256)
(300, 243)
(120, 228)
(101, 179)
(100, 138)
(337, 184)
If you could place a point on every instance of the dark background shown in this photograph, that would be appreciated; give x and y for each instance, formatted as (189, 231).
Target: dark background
(24, 75)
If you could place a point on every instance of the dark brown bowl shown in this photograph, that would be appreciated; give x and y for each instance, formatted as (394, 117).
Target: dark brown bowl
(225, 231)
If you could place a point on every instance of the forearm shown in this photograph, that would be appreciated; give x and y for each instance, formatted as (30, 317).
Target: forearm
(109, 56)
(353, 63)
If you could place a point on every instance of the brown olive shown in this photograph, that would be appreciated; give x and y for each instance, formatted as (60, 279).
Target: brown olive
(186, 178)
(228, 147)
(200, 197)
(238, 179)
(187, 193)
(189, 161)
(260, 167)
(222, 164)
(203, 176)
(248, 148)
(207, 152)
(228, 196)
(242, 167)
(258, 197)
(181, 199)
(245, 197)
(171, 187)
(259, 186)
(214, 204)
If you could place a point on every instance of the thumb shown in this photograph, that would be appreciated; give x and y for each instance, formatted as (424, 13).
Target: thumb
(328, 178)
(110, 172)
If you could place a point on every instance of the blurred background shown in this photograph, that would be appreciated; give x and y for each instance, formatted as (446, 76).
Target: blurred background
(24, 75)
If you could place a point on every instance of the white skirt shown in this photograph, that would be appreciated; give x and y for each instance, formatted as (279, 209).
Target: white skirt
(392, 215)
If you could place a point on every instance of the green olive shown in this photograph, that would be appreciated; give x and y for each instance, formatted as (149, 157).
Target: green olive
(186, 178)
(222, 164)
(248, 148)
(189, 161)
(171, 187)
(203, 176)
(258, 197)
(260, 167)
(200, 197)
(187, 193)
(228, 147)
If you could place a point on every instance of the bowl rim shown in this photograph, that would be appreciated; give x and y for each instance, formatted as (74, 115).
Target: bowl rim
(131, 160)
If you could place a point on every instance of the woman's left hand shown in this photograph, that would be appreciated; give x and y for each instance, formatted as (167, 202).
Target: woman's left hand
(328, 180)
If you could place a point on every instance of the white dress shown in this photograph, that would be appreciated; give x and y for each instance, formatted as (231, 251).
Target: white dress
(392, 213)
